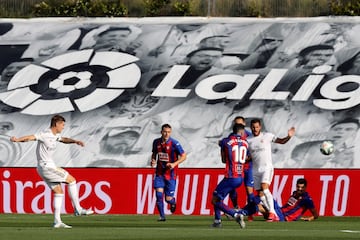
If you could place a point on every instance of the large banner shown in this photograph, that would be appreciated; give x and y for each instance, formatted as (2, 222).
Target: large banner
(117, 81)
(130, 190)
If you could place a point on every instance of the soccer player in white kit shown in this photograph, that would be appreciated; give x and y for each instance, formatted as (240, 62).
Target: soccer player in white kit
(52, 175)
(263, 170)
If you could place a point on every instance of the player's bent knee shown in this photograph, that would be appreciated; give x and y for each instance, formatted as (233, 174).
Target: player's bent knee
(168, 199)
(57, 189)
(70, 179)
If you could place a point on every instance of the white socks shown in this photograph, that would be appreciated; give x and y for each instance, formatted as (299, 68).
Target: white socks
(58, 199)
(74, 195)
(264, 202)
(269, 200)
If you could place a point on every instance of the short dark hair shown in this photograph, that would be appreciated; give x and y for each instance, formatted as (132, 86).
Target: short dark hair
(55, 119)
(302, 181)
(309, 49)
(239, 117)
(204, 49)
(166, 125)
(237, 127)
(255, 120)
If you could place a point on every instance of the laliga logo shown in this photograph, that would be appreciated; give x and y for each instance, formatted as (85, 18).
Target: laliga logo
(85, 80)
(81, 80)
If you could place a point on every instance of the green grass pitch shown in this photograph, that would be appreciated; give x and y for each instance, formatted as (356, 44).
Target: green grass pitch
(137, 227)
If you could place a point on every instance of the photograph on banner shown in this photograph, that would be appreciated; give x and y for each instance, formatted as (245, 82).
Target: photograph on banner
(117, 81)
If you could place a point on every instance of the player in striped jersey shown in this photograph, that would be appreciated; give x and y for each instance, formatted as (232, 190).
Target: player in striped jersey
(248, 176)
(234, 154)
(167, 154)
(296, 206)
(298, 203)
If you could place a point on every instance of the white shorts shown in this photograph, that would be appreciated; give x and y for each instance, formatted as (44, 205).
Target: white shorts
(263, 177)
(52, 175)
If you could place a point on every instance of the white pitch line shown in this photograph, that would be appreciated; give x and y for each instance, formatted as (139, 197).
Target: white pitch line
(349, 231)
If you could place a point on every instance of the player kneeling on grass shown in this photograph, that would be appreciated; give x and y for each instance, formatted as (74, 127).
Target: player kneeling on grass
(52, 175)
(234, 154)
(298, 203)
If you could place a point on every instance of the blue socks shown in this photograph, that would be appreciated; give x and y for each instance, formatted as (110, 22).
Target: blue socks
(160, 203)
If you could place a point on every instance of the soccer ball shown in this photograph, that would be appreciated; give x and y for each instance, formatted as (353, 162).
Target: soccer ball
(327, 147)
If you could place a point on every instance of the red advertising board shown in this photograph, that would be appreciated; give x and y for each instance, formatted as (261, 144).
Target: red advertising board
(130, 191)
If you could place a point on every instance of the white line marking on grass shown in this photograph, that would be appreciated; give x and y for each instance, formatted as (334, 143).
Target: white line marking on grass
(349, 231)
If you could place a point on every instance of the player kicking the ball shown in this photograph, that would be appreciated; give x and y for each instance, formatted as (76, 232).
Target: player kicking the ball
(52, 175)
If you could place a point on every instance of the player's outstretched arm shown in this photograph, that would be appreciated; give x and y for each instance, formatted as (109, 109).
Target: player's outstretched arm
(23, 139)
(70, 140)
(291, 132)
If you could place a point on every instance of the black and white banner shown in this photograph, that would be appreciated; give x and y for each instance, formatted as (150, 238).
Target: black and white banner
(116, 81)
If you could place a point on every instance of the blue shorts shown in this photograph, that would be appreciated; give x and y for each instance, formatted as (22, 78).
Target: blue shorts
(169, 186)
(225, 186)
(248, 177)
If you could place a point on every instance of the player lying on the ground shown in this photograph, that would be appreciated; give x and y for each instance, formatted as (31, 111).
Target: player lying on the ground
(298, 203)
